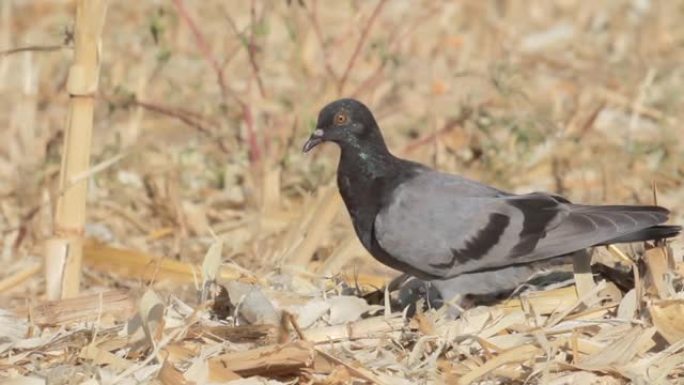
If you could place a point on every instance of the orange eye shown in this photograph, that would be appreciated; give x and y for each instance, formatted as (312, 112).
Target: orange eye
(340, 118)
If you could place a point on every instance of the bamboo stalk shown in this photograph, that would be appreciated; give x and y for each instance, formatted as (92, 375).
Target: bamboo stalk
(63, 252)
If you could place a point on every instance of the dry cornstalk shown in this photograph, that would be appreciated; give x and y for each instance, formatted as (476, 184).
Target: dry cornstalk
(63, 252)
(543, 302)
(239, 334)
(137, 264)
(268, 360)
(516, 355)
(369, 328)
(116, 303)
(303, 239)
(659, 264)
(19, 277)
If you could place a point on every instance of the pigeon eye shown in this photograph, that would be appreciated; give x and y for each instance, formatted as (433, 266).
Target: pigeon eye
(340, 118)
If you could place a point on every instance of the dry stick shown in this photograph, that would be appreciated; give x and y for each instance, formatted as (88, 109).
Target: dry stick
(357, 370)
(638, 102)
(254, 150)
(33, 48)
(312, 14)
(19, 277)
(516, 355)
(269, 361)
(370, 81)
(395, 38)
(191, 118)
(64, 252)
(187, 116)
(295, 325)
(26, 218)
(617, 98)
(359, 44)
(589, 123)
(449, 126)
(135, 264)
(306, 236)
(127, 215)
(202, 45)
(23, 223)
(249, 47)
(6, 29)
(118, 303)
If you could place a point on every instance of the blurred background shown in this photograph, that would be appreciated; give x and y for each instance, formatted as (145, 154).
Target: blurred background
(203, 107)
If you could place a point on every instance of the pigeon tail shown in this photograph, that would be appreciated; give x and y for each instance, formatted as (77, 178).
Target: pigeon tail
(647, 234)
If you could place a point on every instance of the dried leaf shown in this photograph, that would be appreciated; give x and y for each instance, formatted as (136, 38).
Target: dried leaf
(152, 316)
(310, 312)
(211, 262)
(347, 309)
(668, 318)
(628, 306)
(621, 351)
(252, 304)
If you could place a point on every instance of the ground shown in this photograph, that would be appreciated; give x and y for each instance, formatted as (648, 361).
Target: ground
(200, 116)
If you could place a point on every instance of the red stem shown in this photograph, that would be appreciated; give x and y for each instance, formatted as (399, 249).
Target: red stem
(203, 46)
(359, 44)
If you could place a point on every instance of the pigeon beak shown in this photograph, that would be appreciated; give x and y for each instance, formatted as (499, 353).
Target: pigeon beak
(314, 140)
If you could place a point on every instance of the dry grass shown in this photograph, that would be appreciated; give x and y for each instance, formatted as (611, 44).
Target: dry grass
(201, 113)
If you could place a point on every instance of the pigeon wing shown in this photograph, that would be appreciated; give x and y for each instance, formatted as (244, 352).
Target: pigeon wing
(444, 225)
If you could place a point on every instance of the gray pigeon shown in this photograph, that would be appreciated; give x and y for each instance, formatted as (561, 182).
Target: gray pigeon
(462, 236)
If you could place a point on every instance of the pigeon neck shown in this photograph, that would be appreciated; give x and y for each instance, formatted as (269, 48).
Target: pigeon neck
(364, 171)
(369, 157)
(366, 176)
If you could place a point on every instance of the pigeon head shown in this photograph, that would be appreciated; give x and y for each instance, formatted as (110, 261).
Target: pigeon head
(347, 122)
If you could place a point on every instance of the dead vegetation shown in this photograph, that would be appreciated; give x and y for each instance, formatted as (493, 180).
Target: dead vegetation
(216, 252)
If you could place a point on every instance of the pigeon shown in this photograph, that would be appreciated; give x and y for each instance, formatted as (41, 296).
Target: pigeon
(462, 236)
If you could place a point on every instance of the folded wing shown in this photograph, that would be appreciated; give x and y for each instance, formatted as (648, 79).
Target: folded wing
(444, 225)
